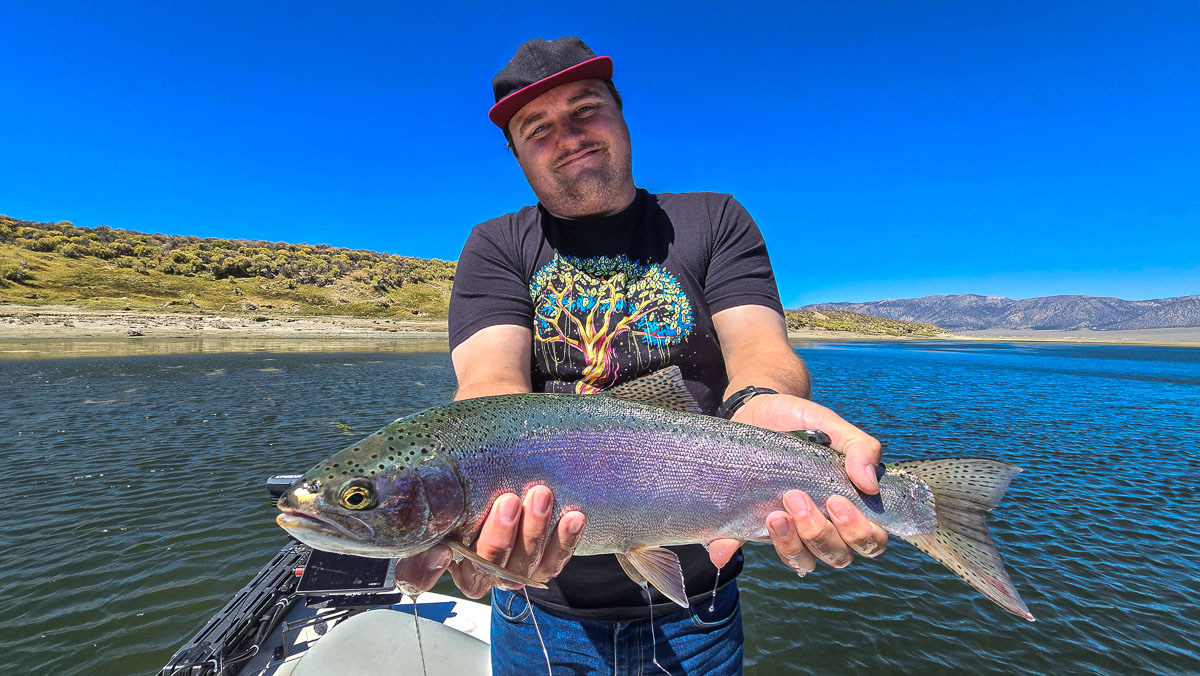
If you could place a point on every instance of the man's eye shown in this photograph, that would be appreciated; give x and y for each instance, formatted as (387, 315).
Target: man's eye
(584, 109)
(535, 131)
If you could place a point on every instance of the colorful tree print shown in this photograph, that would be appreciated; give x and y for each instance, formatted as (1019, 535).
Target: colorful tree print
(587, 305)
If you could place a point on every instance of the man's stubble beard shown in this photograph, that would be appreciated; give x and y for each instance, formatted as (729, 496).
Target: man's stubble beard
(592, 191)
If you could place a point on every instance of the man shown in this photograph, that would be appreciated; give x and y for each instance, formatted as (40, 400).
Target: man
(599, 284)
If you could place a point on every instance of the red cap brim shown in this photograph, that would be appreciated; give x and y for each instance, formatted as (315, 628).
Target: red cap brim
(599, 67)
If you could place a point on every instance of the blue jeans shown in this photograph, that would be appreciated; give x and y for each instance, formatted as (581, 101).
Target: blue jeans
(687, 641)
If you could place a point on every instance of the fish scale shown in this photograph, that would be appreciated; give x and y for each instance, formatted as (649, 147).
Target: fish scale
(646, 469)
(705, 476)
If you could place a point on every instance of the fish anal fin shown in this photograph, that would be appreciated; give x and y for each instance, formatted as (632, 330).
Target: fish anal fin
(665, 388)
(631, 570)
(484, 564)
(658, 566)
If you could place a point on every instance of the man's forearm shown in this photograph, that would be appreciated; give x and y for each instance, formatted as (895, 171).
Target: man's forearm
(755, 347)
(489, 388)
(779, 370)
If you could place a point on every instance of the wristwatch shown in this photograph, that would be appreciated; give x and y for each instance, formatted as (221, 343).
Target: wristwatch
(737, 399)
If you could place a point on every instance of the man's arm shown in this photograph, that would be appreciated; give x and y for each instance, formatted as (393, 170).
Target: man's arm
(754, 344)
(496, 360)
(756, 352)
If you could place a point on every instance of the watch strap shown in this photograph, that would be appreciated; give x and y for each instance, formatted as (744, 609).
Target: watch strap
(739, 398)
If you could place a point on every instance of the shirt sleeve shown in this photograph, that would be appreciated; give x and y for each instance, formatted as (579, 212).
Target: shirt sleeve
(489, 287)
(739, 270)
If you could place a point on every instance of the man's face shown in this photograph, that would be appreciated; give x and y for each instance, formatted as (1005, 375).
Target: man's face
(573, 145)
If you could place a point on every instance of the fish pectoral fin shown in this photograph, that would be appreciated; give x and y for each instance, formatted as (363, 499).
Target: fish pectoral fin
(665, 388)
(509, 576)
(658, 566)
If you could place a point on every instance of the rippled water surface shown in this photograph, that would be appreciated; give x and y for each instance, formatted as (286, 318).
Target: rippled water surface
(133, 506)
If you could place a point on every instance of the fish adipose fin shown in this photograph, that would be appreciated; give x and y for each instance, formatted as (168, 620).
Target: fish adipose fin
(812, 436)
(665, 388)
(491, 567)
(964, 491)
(658, 566)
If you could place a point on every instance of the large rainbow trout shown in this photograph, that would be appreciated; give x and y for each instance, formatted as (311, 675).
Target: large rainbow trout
(645, 468)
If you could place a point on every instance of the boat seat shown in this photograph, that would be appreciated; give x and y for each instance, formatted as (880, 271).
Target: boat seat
(384, 642)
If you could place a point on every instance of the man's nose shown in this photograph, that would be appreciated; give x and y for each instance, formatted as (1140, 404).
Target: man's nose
(569, 134)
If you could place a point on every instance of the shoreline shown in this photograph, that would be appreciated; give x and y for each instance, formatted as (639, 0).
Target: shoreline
(63, 322)
(1168, 337)
(52, 332)
(30, 332)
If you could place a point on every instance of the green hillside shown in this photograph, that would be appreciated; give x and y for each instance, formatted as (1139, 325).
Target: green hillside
(107, 268)
(852, 322)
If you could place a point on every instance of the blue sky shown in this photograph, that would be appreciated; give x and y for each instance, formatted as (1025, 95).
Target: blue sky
(886, 149)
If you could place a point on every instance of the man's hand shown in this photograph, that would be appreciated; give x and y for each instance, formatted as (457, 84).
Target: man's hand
(801, 534)
(515, 536)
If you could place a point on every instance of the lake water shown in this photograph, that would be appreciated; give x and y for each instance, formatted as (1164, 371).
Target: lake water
(132, 502)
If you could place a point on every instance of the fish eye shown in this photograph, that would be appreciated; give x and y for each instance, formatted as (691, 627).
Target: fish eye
(357, 494)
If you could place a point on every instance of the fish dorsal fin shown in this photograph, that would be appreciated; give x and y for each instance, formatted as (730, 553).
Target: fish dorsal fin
(658, 566)
(664, 388)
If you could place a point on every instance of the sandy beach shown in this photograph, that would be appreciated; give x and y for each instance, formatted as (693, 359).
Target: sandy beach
(1187, 336)
(17, 322)
(1172, 337)
(63, 331)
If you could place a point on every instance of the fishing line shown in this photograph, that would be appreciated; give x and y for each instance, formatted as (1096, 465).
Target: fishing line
(653, 640)
(417, 624)
(712, 601)
(538, 629)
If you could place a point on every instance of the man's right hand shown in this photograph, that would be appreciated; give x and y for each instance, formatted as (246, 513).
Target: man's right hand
(515, 536)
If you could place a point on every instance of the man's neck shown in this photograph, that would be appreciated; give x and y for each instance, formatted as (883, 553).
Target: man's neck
(625, 201)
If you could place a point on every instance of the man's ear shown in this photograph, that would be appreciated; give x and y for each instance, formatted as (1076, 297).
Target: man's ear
(511, 143)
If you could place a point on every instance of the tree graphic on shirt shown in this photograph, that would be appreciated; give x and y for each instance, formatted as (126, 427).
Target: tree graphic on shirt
(587, 305)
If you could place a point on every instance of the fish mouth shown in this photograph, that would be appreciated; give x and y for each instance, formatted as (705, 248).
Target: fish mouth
(294, 519)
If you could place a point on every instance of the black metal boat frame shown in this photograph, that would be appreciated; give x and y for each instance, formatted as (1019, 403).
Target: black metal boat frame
(236, 633)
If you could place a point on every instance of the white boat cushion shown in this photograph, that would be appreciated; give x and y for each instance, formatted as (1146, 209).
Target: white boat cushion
(384, 642)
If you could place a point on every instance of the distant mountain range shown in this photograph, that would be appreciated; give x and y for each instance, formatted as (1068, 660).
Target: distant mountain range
(965, 312)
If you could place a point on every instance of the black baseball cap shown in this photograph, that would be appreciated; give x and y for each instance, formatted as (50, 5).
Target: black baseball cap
(539, 66)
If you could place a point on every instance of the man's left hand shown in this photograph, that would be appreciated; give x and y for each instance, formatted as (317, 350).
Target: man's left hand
(802, 534)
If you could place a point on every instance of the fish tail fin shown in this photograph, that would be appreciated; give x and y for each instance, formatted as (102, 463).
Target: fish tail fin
(964, 491)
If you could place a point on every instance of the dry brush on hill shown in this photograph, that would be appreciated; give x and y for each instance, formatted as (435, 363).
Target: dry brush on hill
(853, 322)
(62, 263)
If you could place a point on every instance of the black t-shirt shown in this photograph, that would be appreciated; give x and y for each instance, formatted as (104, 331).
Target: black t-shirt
(610, 299)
